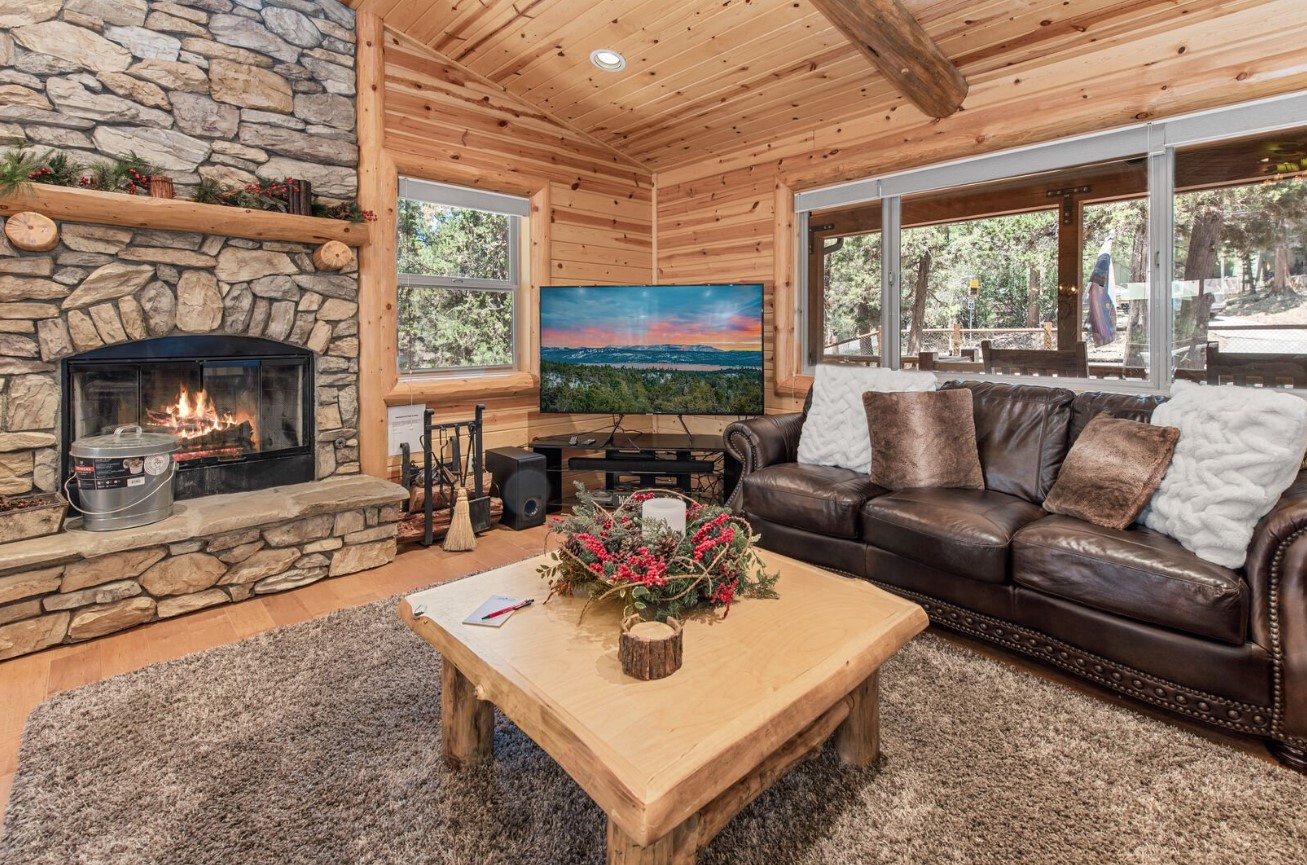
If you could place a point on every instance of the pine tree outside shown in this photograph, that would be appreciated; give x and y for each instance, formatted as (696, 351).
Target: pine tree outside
(456, 287)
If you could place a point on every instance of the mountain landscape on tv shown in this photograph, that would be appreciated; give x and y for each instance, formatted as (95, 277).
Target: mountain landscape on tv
(665, 349)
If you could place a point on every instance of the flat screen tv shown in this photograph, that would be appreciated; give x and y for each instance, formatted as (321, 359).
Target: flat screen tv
(651, 349)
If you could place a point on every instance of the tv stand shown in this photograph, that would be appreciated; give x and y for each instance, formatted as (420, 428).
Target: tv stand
(697, 466)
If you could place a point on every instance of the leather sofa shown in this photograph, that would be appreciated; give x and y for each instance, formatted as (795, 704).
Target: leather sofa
(1131, 610)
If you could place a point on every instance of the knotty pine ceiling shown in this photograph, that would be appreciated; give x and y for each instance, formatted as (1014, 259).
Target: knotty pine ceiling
(709, 77)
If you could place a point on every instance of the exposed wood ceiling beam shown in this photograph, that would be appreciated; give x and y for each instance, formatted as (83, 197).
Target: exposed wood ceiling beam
(901, 49)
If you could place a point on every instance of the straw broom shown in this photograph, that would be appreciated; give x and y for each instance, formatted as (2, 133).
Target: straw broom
(460, 536)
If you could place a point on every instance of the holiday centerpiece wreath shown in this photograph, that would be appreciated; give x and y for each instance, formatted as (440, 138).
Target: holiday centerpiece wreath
(657, 571)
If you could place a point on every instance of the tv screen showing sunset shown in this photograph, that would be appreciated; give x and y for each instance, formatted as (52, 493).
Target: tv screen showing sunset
(651, 349)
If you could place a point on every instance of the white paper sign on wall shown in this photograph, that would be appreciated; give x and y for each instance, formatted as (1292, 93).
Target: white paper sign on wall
(404, 424)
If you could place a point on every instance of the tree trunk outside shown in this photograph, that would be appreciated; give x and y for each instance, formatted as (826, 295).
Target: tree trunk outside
(919, 304)
(1281, 283)
(1191, 318)
(1136, 327)
(1032, 295)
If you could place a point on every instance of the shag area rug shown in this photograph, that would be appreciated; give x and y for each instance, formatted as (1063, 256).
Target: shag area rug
(320, 744)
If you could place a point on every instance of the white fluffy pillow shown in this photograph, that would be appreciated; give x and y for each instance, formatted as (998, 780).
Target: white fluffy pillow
(1239, 449)
(835, 432)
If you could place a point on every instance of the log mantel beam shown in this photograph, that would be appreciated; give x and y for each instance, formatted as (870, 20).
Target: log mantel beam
(901, 49)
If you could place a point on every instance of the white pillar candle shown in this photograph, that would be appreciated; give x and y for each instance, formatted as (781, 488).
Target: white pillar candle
(665, 510)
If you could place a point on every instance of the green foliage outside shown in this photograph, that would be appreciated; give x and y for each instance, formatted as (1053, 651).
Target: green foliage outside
(600, 389)
(1256, 227)
(1253, 230)
(448, 327)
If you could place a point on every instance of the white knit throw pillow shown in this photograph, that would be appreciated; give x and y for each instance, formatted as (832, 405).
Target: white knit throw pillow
(835, 432)
(1240, 448)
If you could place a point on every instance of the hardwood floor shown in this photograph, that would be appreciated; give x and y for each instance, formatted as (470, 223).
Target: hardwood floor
(26, 682)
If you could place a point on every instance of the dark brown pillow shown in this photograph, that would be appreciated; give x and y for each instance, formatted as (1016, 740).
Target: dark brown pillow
(1112, 471)
(923, 439)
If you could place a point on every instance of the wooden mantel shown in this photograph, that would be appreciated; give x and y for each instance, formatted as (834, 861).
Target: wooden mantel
(130, 211)
(902, 50)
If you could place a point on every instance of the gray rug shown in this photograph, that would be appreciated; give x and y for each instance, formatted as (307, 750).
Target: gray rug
(319, 743)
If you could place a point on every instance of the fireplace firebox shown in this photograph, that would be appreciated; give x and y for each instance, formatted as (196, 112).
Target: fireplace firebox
(242, 407)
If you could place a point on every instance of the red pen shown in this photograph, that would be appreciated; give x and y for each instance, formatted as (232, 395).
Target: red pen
(528, 602)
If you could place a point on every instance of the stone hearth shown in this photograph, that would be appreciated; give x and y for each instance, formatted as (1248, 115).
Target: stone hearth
(79, 585)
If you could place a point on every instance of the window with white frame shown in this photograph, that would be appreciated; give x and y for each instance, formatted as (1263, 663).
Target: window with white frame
(458, 257)
(1060, 249)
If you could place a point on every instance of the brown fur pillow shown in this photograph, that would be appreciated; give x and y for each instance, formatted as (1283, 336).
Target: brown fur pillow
(1112, 471)
(923, 439)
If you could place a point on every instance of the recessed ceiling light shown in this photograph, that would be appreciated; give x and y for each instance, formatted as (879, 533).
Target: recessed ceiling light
(608, 60)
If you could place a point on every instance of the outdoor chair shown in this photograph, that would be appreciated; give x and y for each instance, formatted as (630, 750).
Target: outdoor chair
(1066, 363)
(1266, 370)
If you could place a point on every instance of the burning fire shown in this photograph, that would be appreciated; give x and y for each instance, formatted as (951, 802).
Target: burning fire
(191, 418)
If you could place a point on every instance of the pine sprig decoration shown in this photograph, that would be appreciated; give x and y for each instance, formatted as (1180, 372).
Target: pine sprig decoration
(607, 554)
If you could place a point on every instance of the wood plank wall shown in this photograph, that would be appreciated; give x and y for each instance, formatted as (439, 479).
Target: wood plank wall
(716, 221)
(445, 124)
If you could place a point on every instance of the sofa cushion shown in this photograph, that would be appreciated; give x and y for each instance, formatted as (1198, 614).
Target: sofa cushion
(923, 440)
(835, 428)
(1111, 471)
(1123, 405)
(1136, 573)
(1240, 448)
(1021, 432)
(822, 499)
(965, 532)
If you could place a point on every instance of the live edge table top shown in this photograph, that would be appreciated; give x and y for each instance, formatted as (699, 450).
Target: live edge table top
(651, 754)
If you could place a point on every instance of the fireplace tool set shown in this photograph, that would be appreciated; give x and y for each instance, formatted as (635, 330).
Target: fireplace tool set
(452, 456)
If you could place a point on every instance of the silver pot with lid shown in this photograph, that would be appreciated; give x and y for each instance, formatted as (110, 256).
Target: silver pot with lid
(124, 478)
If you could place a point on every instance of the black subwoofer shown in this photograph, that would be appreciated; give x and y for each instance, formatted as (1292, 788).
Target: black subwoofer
(523, 485)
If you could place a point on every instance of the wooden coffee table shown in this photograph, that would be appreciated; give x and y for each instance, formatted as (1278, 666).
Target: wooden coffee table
(670, 761)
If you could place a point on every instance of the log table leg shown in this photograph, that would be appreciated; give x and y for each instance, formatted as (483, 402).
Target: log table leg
(467, 724)
(857, 739)
(678, 847)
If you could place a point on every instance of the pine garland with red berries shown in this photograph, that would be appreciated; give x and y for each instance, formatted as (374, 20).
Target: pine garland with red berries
(607, 554)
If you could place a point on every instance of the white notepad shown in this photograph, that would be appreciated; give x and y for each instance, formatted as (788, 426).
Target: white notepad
(494, 602)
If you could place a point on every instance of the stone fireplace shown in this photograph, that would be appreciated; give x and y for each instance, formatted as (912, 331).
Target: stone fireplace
(239, 346)
(111, 325)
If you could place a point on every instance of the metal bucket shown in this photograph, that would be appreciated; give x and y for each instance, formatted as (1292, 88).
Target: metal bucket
(123, 479)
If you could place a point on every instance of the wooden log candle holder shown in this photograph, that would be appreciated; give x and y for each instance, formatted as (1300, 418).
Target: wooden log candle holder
(32, 232)
(161, 187)
(650, 650)
(299, 196)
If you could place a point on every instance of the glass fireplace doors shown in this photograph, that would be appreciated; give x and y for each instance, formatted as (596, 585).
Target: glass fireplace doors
(241, 408)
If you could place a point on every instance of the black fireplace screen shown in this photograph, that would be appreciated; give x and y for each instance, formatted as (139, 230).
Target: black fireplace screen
(228, 400)
(218, 409)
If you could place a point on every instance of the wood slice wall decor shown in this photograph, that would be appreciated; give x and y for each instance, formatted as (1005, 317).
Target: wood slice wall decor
(650, 650)
(32, 232)
(333, 255)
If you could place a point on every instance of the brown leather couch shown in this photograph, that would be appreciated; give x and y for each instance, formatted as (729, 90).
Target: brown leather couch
(1131, 610)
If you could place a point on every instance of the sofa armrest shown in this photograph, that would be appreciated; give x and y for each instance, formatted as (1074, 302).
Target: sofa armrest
(1277, 575)
(759, 442)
